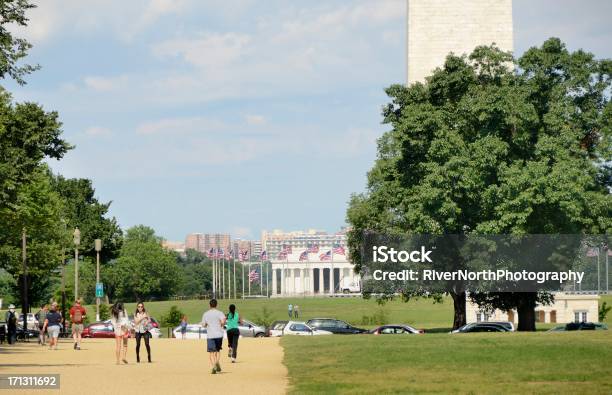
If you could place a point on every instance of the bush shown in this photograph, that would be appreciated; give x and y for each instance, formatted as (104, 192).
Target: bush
(380, 317)
(603, 311)
(104, 312)
(172, 318)
(265, 319)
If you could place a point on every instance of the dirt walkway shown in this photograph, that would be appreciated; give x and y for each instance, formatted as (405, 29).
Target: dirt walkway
(179, 367)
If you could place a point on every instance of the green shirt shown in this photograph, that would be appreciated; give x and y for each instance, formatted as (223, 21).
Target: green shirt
(232, 322)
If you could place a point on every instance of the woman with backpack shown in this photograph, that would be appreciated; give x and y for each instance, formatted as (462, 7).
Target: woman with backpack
(142, 321)
(233, 333)
(121, 325)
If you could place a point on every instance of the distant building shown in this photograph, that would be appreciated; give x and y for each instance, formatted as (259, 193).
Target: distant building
(273, 242)
(566, 308)
(203, 242)
(252, 247)
(174, 246)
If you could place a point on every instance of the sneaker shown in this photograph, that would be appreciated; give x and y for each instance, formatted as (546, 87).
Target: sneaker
(218, 367)
(78, 347)
(233, 360)
(75, 346)
(214, 371)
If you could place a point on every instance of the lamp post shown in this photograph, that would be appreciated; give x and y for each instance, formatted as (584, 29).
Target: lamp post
(25, 284)
(77, 240)
(98, 246)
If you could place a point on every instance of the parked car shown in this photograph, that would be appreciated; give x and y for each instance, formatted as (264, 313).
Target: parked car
(300, 328)
(32, 321)
(250, 329)
(194, 331)
(276, 328)
(102, 329)
(482, 327)
(334, 326)
(580, 326)
(396, 329)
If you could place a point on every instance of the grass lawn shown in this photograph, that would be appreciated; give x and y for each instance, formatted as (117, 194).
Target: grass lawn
(541, 362)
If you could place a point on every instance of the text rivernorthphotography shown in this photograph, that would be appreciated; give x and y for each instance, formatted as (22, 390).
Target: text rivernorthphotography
(482, 275)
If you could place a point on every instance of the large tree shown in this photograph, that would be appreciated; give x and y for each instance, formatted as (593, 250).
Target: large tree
(488, 145)
(144, 270)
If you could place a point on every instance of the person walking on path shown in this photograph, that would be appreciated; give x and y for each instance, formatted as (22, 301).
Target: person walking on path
(233, 333)
(213, 320)
(296, 311)
(40, 317)
(53, 324)
(143, 328)
(183, 326)
(121, 326)
(290, 310)
(77, 316)
(11, 324)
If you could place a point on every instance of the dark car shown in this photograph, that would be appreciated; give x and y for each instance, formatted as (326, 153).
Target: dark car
(102, 329)
(335, 326)
(580, 326)
(481, 327)
(396, 329)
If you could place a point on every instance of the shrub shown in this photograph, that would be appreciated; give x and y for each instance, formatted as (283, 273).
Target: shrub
(603, 311)
(104, 312)
(380, 317)
(172, 318)
(265, 319)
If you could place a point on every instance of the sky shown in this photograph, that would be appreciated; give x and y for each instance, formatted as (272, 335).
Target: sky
(238, 115)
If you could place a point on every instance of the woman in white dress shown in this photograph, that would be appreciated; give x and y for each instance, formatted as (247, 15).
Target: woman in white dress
(121, 326)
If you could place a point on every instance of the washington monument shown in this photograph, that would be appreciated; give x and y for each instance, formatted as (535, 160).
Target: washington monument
(437, 27)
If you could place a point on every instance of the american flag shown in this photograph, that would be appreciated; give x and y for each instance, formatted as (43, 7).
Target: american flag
(304, 256)
(219, 252)
(253, 276)
(211, 253)
(264, 256)
(593, 251)
(287, 249)
(313, 248)
(244, 255)
(282, 255)
(326, 256)
(228, 254)
(338, 249)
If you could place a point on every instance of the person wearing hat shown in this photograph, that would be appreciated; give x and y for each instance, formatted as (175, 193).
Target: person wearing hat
(11, 323)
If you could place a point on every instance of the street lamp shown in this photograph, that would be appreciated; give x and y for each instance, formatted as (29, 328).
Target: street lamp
(77, 240)
(25, 284)
(98, 246)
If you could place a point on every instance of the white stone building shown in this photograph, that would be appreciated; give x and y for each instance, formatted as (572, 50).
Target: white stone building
(566, 308)
(292, 277)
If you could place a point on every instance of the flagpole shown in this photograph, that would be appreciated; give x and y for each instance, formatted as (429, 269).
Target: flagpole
(267, 281)
(234, 262)
(214, 273)
(249, 276)
(242, 265)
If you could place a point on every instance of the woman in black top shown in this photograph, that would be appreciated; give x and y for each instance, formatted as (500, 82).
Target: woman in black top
(53, 325)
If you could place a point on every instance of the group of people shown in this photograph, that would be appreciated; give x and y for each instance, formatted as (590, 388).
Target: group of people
(214, 320)
(50, 322)
(293, 310)
(122, 327)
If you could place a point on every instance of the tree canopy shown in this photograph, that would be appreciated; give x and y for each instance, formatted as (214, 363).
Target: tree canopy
(493, 145)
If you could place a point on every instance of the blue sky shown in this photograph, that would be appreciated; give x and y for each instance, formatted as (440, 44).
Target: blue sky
(238, 115)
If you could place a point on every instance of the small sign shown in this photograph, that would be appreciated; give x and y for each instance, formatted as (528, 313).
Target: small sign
(99, 290)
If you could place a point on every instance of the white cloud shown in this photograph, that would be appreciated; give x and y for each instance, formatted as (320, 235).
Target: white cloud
(95, 131)
(253, 119)
(180, 125)
(242, 232)
(105, 84)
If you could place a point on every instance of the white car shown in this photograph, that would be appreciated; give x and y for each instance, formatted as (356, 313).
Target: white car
(297, 328)
(194, 331)
(32, 321)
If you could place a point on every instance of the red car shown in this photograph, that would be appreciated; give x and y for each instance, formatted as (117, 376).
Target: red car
(99, 330)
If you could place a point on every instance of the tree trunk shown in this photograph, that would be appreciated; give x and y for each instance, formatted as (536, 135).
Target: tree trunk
(459, 306)
(526, 312)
